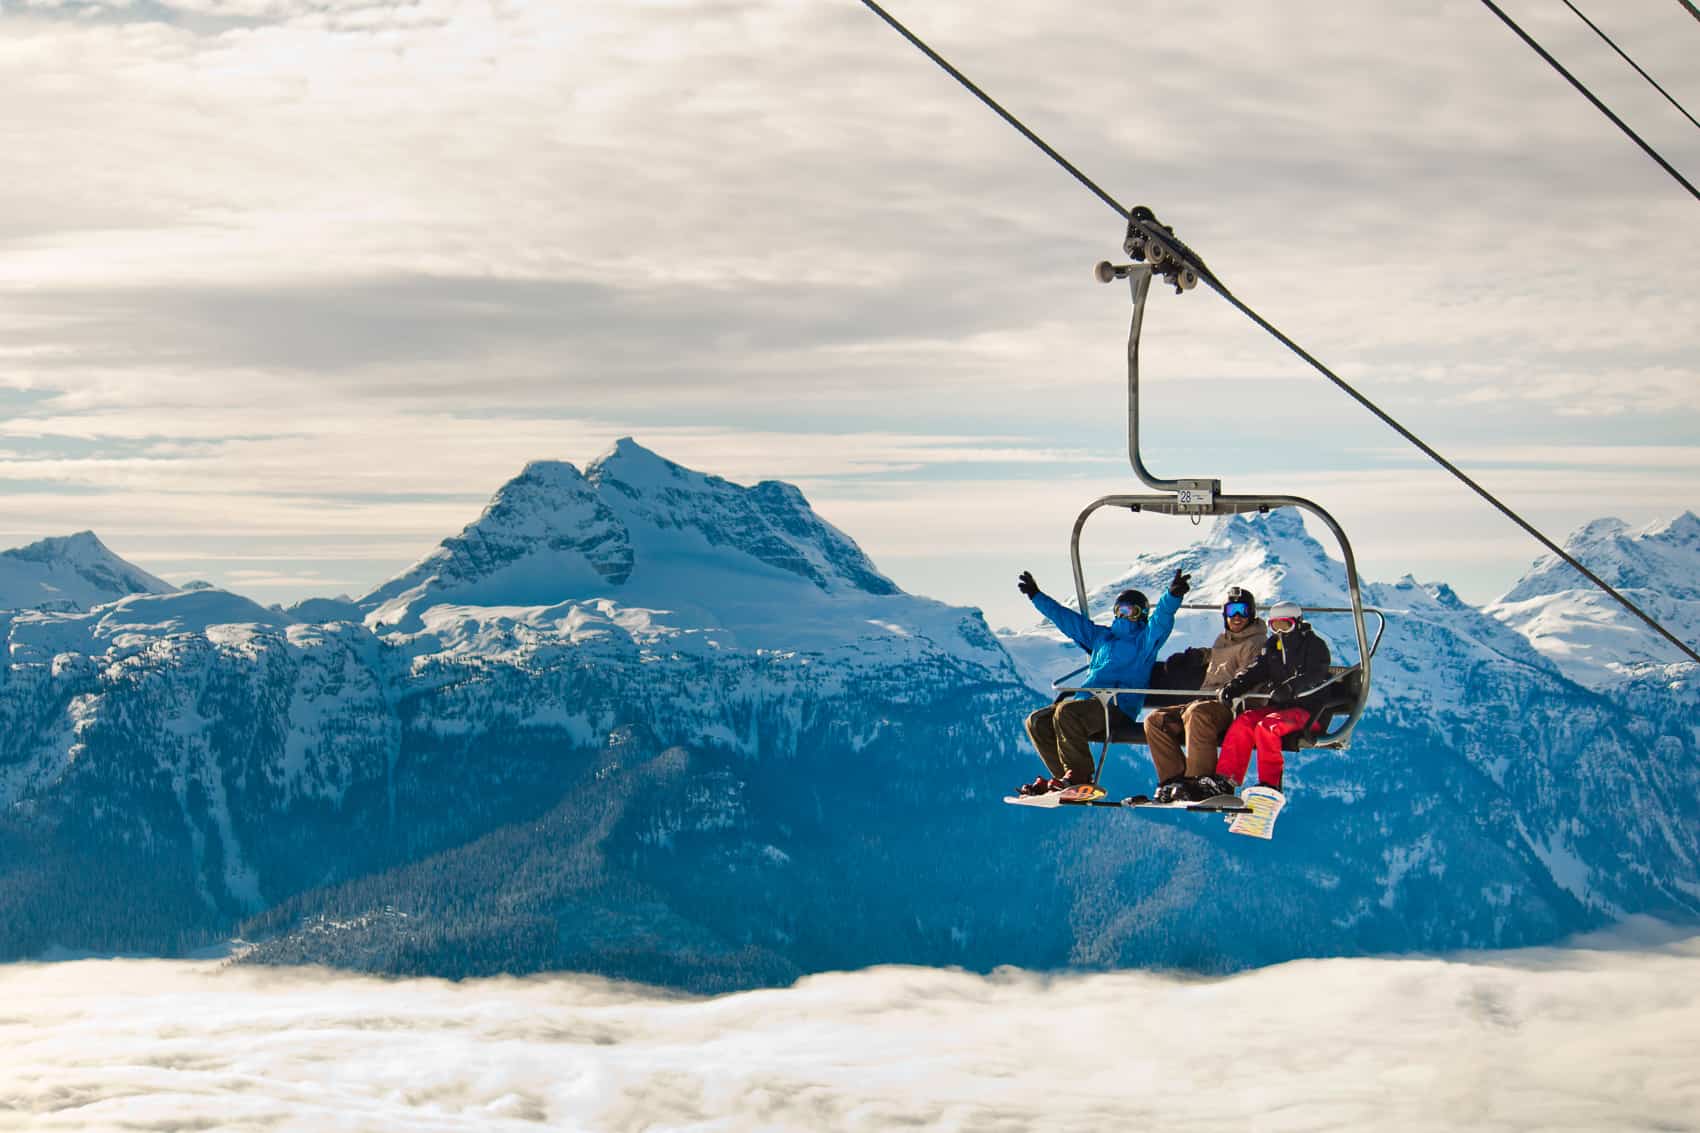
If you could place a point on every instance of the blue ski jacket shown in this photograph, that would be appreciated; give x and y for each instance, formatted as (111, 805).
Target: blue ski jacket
(1122, 652)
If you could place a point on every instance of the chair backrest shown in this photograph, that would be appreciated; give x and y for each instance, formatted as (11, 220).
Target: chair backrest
(1342, 694)
(1183, 669)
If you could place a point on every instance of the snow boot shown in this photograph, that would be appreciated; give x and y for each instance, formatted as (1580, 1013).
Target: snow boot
(1218, 785)
(1078, 786)
(1193, 791)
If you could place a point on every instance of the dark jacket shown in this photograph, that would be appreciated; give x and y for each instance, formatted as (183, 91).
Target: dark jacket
(1290, 665)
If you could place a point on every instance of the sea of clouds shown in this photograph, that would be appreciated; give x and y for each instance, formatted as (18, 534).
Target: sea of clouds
(1597, 1035)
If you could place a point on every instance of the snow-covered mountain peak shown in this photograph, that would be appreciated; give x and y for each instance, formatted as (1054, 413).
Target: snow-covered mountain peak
(1272, 555)
(545, 536)
(674, 510)
(1272, 530)
(1664, 554)
(1430, 626)
(1589, 635)
(710, 563)
(639, 469)
(550, 502)
(543, 476)
(78, 545)
(70, 573)
(1682, 531)
(1595, 531)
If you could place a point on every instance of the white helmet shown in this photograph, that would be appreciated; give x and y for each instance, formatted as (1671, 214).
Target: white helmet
(1288, 613)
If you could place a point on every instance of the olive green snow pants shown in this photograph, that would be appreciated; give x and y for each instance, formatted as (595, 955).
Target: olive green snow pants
(1201, 723)
(1064, 733)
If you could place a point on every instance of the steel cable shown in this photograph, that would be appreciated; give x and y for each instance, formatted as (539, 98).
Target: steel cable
(1589, 95)
(1625, 56)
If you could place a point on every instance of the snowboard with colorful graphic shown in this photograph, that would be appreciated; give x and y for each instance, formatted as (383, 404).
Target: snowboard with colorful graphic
(1089, 794)
(1265, 804)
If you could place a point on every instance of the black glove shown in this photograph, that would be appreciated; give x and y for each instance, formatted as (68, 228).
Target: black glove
(1026, 585)
(1180, 584)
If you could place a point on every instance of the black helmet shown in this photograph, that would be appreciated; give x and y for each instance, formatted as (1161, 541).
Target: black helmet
(1239, 594)
(1132, 598)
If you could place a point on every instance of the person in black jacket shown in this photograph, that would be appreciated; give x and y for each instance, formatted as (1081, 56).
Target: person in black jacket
(1294, 661)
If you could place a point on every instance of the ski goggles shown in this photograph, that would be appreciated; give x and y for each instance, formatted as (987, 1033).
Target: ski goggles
(1129, 611)
(1236, 610)
(1282, 625)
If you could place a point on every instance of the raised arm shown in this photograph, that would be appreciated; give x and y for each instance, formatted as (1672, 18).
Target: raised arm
(1078, 629)
(1163, 617)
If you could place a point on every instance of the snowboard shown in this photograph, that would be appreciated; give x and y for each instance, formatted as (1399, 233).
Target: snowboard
(1265, 804)
(1089, 795)
(1218, 804)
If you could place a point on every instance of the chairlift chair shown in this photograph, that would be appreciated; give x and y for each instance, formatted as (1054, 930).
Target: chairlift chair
(1156, 252)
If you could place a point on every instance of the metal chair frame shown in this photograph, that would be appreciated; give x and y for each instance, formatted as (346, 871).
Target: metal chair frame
(1199, 497)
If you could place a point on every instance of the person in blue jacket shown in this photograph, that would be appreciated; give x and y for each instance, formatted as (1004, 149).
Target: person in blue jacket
(1122, 656)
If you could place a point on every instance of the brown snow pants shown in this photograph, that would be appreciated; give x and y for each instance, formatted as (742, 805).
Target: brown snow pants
(1200, 723)
(1064, 733)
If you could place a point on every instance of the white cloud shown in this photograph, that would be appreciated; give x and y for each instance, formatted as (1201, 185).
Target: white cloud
(1596, 1035)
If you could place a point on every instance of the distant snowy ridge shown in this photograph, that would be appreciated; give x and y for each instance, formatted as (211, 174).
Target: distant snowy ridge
(70, 573)
(1593, 639)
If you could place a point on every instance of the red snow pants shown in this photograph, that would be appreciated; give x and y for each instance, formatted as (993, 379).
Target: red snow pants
(1263, 727)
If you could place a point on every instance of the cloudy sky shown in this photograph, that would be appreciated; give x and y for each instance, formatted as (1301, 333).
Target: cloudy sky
(1595, 1035)
(289, 287)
